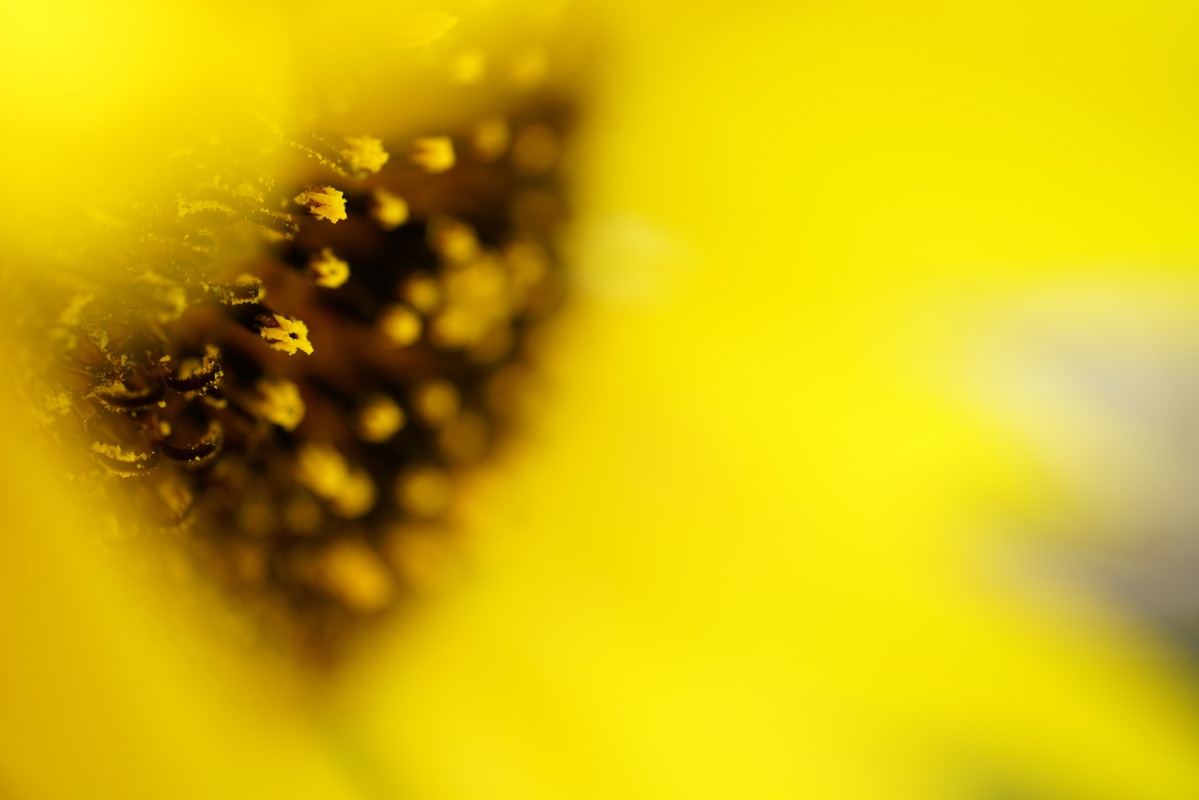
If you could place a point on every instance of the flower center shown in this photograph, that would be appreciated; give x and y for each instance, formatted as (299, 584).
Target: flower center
(292, 370)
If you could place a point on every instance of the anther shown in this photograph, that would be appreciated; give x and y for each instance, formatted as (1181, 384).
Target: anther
(353, 573)
(323, 202)
(379, 418)
(327, 270)
(423, 491)
(279, 402)
(433, 153)
(491, 138)
(118, 397)
(422, 291)
(436, 402)
(389, 210)
(400, 325)
(452, 239)
(197, 375)
(365, 154)
(199, 454)
(285, 334)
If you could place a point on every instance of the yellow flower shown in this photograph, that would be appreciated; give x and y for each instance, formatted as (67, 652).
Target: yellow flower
(748, 547)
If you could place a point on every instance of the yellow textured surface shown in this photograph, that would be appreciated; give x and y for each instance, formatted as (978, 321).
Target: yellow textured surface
(748, 550)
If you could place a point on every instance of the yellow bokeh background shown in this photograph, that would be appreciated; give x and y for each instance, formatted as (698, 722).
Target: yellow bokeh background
(755, 543)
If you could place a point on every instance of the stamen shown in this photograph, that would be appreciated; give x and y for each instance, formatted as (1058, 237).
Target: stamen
(389, 210)
(198, 375)
(436, 402)
(400, 325)
(245, 289)
(327, 270)
(323, 469)
(350, 570)
(491, 138)
(118, 397)
(279, 402)
(452, 239)
(201, 453)
(365, 154)
(433, 154)
(423, 292)
(379, 419)
(125, 463)
(324, 202)
(295, 475)
(285, 334)
(357, 495)
(424, 491)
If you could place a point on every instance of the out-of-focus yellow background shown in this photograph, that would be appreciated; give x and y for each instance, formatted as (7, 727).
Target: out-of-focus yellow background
(791, 522)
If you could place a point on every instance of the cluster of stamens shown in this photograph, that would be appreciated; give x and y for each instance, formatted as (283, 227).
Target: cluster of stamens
(298, 416)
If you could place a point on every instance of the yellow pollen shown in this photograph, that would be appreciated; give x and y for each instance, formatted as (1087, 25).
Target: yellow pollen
(281, 403)
(357, 495)
(437, 402)
(318, 516)
(379, 419)
(424, 491)
(326, 269)
(246, 289)
(478, 299)
(454, 327)
(433, 153)
(324, 202)
(348, 489)
(452, 239)
(254, 287)
(322, 469)
(350, 570)
(365, 153)
(72, 315)
(389, 210)
(423, 292)
(491, 138)
(124, 463)
(286, 335)
(480, 284)
(400, 325)
(116, 453)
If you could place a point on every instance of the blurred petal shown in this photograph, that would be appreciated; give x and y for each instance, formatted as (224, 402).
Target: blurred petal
(756, 550)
